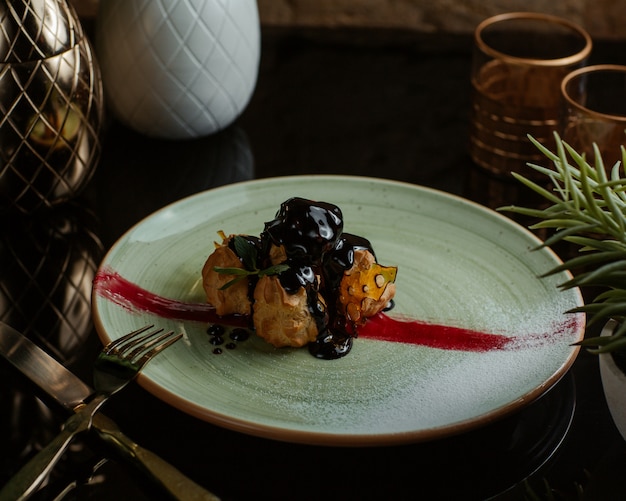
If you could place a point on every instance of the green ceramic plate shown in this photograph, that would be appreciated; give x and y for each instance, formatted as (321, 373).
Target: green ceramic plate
(459, 264)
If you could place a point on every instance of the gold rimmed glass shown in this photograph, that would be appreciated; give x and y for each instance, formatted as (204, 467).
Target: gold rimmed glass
(518, 64)
(594, 100)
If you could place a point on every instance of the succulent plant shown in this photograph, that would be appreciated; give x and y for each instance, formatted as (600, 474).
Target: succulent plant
(586, 206)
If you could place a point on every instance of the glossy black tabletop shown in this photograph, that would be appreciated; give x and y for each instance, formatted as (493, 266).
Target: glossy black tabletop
(361, 102)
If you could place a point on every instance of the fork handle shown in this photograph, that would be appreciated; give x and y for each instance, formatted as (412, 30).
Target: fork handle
(26, 481)
(159, 471)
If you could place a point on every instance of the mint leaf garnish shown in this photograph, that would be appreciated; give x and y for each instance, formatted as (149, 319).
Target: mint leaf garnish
(273, 270)
(248, 254)
(246, 251)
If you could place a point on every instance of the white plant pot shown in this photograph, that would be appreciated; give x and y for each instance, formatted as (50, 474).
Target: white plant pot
(614, 384)
(178, 68)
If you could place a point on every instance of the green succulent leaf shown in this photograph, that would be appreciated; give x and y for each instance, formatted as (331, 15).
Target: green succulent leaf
(611, 344)
(587, 209)
(564, 233)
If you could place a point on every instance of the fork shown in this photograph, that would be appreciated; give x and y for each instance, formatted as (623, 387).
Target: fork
(117, 364)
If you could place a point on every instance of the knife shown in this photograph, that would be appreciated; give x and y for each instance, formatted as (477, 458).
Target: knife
(70, 392)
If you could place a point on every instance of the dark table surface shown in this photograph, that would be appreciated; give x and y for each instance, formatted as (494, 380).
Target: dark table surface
(363, 102)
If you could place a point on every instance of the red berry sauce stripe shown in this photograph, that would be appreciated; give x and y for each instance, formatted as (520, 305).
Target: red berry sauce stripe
(109, 285)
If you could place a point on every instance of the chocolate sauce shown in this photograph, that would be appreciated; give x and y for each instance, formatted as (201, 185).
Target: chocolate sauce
(298, 275)
(216, 334)
(317, 254)
(341, 258)
(306, 229)
(311, 233)
(331, 345)
(215, 330)
(239, 334)
(216, 340)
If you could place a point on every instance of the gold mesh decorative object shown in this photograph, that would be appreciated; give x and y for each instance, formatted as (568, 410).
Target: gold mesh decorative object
(51, 105)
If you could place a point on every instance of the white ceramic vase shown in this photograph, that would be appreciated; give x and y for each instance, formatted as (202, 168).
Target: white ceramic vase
(614, 384)
(178, 68)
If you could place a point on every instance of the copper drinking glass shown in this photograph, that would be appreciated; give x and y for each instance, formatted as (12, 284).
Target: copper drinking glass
(594, 100)
(518, 64)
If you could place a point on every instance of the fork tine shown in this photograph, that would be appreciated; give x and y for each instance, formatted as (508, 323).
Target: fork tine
(140, 343)
(147, 342)
(163, 343)
(134, 344)
(114, 345)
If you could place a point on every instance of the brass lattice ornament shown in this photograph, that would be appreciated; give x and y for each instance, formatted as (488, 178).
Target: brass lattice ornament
(51, 105)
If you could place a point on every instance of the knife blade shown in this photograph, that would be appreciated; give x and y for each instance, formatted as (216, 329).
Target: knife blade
(66, 389)
(43, 370)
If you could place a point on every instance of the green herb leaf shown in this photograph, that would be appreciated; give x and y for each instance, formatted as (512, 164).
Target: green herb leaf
(246, 251)
(248, 254)
(232, 282)
(232, 271)
(274, 270)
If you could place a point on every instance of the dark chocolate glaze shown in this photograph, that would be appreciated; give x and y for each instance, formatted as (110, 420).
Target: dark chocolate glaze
(331, 345)
(306, 229)
(318, 253)
(336, 340)
(341, 258)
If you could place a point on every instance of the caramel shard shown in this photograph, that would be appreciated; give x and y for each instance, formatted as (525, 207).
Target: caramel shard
(280, 318)
(234, 299)
(366, 288)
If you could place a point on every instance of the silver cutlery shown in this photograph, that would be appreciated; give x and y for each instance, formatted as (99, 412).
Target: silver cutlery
(65, 388)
